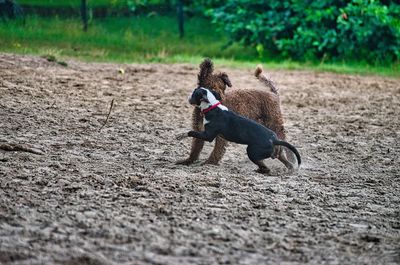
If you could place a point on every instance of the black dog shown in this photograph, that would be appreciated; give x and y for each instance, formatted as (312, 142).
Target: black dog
(232, 127)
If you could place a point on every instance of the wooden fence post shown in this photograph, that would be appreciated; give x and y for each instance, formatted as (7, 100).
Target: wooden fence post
(179, 11)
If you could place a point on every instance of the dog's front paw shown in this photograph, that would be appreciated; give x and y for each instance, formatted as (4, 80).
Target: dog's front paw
(181, 136)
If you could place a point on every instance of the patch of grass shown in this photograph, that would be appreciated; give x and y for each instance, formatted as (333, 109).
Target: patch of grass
(344, 68)
(148, 39)
(141, 39)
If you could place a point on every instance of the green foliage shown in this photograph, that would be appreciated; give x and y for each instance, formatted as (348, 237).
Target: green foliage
(191, 7)
(365, 30)
(91, 3)
(70, 3)
(201, 6)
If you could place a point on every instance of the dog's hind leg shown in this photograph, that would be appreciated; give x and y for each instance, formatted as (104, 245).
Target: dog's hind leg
(289, 155)
(262, 168)
(283, 154)
(282, 157)
(218, 151)
(256, 154)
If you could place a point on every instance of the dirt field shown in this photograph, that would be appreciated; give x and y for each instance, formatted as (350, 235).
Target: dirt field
(115, 196)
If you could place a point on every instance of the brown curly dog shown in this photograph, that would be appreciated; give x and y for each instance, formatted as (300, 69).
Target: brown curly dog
(261, 106)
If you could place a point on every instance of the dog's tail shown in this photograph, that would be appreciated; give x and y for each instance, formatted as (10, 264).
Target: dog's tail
(291, 147)
(263, 78)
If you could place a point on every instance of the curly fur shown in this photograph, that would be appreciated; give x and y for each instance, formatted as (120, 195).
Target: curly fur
(258, 105)
(217, 82)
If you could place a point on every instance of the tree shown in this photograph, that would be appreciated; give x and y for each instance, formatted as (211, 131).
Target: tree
(84, 14)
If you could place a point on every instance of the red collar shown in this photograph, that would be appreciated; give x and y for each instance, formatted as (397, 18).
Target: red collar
(210, 108)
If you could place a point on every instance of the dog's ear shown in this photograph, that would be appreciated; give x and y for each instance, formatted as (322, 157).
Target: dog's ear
(216, 95)
(206, 70)
(225, 78)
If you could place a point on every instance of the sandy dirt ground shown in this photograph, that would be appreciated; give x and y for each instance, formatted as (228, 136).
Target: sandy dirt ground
(115, 196)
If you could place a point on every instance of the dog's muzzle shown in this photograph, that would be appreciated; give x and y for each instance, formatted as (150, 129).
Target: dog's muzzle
(192, 101)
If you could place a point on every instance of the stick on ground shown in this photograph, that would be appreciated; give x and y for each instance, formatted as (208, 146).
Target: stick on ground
(108, 115)
(20, 147)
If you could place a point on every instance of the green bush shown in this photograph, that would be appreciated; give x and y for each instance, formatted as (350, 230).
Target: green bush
(365, 30)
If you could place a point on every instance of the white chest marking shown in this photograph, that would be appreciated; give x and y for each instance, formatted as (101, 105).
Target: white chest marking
(222, 107)
(205, 121)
